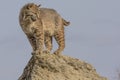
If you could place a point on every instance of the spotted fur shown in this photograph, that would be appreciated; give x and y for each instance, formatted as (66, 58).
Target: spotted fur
(40, 25)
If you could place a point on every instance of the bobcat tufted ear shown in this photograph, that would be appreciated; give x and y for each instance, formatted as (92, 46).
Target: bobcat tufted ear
(39, 5)
(30, 5)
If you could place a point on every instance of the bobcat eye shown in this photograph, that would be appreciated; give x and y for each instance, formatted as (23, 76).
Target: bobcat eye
(33, 18)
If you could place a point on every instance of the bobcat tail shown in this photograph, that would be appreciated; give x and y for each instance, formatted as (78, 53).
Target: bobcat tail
(65, 23)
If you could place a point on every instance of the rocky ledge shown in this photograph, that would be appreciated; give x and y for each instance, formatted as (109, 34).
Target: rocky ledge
(54, 67)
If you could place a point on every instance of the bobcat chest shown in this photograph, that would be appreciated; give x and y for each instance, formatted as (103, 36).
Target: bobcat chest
(28, 29)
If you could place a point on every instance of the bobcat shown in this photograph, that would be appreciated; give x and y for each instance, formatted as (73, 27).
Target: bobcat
(40, 25)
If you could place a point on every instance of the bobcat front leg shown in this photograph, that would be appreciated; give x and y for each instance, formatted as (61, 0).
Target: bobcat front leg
(48, 43)
(32, 41)
(39, 37)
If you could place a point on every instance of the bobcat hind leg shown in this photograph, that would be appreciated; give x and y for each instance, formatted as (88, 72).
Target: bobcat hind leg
(59, 37)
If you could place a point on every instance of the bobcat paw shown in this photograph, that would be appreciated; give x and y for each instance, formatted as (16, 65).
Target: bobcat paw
(57, 53)
(36, 52)
(46, 51)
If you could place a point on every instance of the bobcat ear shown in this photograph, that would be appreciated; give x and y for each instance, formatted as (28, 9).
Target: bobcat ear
(30, 5)
(39, 5)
